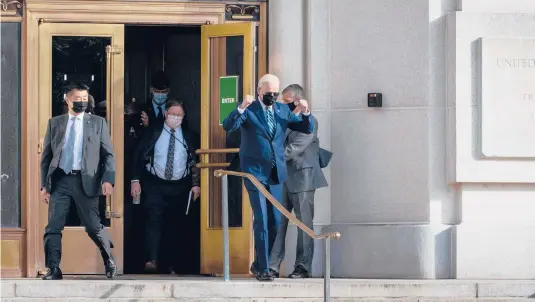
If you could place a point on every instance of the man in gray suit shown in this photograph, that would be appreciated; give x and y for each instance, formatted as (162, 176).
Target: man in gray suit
(304, 177)
(77, 164)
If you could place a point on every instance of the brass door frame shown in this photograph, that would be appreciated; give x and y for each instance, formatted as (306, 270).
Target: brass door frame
(114, 107)
(240, 237)
(91, 11)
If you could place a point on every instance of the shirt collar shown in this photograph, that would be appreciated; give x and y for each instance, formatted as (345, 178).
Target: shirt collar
(166, 127)
(264, 106)
(78, 117)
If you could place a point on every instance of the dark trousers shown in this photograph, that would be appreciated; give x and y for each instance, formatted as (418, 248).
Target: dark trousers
(303, 205)
(67, 188)
(165, 203)
(266, 222)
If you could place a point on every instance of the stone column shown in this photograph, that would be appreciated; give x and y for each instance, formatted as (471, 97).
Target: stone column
(490, 161)
(286, 41)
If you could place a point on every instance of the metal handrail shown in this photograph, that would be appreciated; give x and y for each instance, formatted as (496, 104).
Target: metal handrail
(223, 174)
(213, 165)
(217, 151)
(276, 204)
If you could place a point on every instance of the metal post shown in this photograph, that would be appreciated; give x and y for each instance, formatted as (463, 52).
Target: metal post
(327, 270)
(224, 214)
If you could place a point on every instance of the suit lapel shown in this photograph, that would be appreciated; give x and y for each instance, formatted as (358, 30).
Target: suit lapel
(257, 108)
(277, 117)
(63, 123)
(87, 125)
(155, 136)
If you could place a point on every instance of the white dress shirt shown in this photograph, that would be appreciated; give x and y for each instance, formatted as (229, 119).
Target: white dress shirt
(180, 160)
(78, 139)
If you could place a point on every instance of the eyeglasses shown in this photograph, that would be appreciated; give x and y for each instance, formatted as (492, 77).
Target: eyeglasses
(273, 94)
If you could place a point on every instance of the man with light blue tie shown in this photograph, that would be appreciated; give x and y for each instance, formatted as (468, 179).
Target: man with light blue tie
(263, 123)
(77, 164)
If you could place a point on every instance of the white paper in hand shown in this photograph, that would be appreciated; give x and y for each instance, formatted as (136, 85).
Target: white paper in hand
(189, 201)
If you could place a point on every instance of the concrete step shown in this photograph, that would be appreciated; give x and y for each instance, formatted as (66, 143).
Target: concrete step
(214, 289)
(267, 300)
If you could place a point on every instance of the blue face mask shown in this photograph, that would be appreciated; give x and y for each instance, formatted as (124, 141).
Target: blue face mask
(159, 98)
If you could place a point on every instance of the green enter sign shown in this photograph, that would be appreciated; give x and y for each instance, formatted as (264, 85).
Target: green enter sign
(228, 96)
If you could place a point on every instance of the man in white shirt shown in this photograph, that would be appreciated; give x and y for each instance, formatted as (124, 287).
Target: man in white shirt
(77, 164)
(164, 166)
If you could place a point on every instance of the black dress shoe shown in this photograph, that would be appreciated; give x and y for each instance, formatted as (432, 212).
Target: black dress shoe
(111, 269)
(274, 273)
(264, 276)
(53, 274)
(253, 269)
(299, 272)
(151, 267)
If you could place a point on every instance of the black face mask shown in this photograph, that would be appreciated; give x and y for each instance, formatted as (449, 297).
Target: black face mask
(268, 99)
(79, 107)
(292, 106)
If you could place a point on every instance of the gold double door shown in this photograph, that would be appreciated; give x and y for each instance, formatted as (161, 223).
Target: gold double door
(94, 54)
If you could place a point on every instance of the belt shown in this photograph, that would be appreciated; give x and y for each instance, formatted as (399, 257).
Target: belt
(163, 180)
(75, 172)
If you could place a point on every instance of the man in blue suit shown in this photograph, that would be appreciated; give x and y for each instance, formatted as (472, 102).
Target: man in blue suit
(263, 123)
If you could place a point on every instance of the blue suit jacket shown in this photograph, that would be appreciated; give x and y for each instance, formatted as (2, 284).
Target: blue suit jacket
(257, 146)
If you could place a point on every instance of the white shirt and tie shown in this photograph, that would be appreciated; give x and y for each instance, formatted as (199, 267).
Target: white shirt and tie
(161, 148)
(78, 141)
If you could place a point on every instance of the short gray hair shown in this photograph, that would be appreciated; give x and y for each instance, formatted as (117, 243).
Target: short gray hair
(268, 79)
(296, 91)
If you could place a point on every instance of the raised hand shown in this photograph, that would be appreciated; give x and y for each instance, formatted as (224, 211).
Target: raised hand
(144, 118)
(302, 105)
(247, 101)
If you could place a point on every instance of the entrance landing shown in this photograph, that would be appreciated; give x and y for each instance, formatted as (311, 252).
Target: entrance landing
(167, 289)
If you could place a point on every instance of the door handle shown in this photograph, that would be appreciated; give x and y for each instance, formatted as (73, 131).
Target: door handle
(40, 146)
(109, 213)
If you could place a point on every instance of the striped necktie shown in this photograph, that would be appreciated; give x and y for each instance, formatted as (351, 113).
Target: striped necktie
(271, 122)
(170, 156)
(67, 154)
(271, 127)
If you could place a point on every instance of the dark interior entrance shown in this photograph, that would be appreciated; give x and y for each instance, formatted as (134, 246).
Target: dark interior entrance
(177, 51)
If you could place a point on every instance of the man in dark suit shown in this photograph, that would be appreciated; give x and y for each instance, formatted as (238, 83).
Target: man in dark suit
(165, 167)
(304, 177)
(154, 110)
(77, 164)
(263, 124)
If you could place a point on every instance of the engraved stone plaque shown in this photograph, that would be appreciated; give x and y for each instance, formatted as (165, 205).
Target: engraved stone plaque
(507, 92)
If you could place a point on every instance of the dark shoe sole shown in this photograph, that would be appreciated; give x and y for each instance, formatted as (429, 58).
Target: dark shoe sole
(50, 278)
(298, 277)
(264, 277)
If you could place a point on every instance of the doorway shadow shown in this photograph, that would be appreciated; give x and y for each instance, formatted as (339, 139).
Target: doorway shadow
(177, 51)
